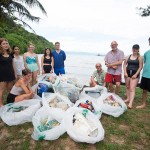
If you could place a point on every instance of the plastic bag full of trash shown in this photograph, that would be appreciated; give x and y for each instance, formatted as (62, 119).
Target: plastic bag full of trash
(112, 104)
(68, 90)
(83, 126)
(48, 124)
(20, 112)
(93, 92)
(55, 100)
(90, 104)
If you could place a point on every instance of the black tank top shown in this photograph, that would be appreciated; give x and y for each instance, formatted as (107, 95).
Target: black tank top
(133, 64)
(47, 61)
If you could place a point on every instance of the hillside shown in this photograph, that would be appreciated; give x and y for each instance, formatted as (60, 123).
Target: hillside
(20, 37)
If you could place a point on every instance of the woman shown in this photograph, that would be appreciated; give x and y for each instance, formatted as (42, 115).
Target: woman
(31, 62)
(22, 89)
(132, 68)
(7, 68)
(18, 61)
(47, 62)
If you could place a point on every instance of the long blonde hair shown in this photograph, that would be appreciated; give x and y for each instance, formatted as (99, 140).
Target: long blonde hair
(1, 49)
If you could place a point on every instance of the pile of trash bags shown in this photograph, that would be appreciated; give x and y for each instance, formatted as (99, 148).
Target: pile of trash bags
(64, 105)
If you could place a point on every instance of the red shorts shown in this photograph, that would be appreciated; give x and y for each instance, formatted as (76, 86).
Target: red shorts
(110, 78)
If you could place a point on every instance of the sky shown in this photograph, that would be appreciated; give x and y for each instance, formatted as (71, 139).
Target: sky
(91, 25)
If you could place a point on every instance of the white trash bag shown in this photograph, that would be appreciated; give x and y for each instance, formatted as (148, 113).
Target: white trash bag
(83, 126)
(71, 80)
(93, 92)
(20, 112)
(55, 100)
(68, 90)
(47, 124)
(112, 104)
(89, 104)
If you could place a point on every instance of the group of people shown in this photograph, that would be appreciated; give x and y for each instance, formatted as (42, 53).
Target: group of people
(132, 66)
(24, 71)
(17, 73)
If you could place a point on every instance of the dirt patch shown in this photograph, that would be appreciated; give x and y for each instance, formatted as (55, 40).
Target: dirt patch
(116, 139)
(124, 127)
(4, 134)
(69, 144)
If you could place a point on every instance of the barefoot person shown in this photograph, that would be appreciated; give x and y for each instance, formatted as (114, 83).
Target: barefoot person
(22, 89)
(31, 62)
(7, 68)
(113, 61)
(18, 60)
(47, 61)
(59, 58)
(98, 76)
(145, 81)
(133, 65)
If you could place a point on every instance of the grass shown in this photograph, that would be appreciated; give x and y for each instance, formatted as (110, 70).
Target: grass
(130, 131)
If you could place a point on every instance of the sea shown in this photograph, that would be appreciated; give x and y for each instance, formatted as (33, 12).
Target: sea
(82, 65)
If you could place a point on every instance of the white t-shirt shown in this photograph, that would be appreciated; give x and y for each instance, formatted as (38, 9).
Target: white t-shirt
(19, 65)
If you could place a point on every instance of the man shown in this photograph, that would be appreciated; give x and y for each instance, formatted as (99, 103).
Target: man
(113, 61)
(98, 76)
(145, 81)
(59, 58)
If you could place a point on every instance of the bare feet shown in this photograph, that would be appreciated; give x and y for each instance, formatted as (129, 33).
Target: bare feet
(142, 106)
(130, 107)
(126, 101)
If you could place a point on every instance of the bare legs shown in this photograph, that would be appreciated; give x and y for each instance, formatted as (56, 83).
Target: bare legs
(24, 96)
(127, 81)
(34, 77)
(133, 84)
(111, 88)
(117, 88)
(144, 97)
(3, 86)
(92, 82)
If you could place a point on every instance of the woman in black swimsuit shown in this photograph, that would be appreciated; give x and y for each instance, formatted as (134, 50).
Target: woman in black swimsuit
(7, 68)
(47, 61)
(133, 65)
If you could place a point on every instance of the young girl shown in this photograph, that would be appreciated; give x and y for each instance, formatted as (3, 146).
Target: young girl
(47, 61)
(31, 62)
(22, 89)
(18, 60)
(132, 67)
(7, 68)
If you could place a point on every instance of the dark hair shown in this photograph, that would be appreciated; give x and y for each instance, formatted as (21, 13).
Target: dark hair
(136, 46)
(1, 50)
(149, 39)
(49, 50)
(14, 48)
(25, 72)
(57, 43)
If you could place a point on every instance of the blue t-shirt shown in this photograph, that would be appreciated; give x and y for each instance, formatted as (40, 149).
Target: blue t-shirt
(146, 69)
(59, 59)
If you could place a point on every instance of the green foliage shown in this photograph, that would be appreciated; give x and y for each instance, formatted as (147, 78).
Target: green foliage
(18, 36)
(13, 11)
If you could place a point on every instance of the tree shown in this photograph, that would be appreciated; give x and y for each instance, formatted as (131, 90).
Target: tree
(14, 11)
(144, 12)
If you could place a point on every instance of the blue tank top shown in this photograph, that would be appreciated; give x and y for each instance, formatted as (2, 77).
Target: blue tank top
(30, 60)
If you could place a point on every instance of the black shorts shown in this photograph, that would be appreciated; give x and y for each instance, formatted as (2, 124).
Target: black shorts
(131, 73)
(11, 98)
(47, 68)
(145, 84)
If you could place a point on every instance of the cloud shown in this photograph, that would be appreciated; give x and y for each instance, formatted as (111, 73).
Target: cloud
(90, 25)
